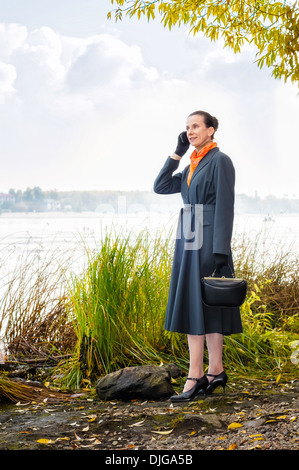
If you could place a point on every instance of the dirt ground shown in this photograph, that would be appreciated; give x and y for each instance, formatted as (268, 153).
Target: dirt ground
(246, 417)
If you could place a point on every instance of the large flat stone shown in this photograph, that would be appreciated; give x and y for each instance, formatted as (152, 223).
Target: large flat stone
(145, 382)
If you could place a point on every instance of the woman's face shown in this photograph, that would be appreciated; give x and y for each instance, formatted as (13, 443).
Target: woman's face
(197, 132)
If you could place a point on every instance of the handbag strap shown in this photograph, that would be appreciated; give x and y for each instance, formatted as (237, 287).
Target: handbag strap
(232, 272)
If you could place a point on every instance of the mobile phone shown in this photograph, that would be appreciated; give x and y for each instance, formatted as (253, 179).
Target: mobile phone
(184, 138)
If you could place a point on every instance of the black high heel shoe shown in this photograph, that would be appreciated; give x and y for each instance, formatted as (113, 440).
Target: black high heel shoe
(219, 381)
(199, 388)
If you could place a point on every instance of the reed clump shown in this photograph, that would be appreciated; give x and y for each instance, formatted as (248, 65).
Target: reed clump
(117, 305)
(13, 391)
(33, 318)
(111, 315)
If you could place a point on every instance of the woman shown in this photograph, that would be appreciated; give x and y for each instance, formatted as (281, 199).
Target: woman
(207, 183)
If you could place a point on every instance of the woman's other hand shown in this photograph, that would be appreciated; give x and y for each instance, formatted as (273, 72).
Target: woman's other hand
(220, 261)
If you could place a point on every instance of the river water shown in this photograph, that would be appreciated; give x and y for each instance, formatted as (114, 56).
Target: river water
(67, 233)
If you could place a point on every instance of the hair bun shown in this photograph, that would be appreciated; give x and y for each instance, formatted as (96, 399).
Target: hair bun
(215, 123)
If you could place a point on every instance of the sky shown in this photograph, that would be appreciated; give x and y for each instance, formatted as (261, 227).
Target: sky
(87, 103)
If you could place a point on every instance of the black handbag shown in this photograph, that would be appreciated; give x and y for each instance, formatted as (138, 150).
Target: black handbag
(224, 292)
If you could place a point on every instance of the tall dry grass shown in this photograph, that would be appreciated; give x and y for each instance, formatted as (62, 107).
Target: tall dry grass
(33, 318)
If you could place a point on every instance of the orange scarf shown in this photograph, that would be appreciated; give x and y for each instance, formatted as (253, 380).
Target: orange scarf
(196, 157)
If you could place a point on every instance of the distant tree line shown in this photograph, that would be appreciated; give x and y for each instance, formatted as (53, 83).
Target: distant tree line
(36, 200)
(268, 205)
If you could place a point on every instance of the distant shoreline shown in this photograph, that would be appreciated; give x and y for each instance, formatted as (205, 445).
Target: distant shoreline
(35, 201)
(86, 214)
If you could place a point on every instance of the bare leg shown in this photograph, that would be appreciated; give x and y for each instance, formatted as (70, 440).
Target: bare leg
(215, 349)
(196, 350)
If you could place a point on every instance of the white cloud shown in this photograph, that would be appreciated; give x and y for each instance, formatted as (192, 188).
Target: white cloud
(8, 76)
(70, 75)
(12, 36)
(45, 48)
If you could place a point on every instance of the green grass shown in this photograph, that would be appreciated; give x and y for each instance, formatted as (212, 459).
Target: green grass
(117, 305)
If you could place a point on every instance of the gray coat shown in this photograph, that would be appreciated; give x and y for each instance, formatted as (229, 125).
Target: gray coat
(211, 187)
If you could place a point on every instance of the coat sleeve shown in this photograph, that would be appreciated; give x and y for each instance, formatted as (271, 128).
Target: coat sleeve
(166, 182)
(224, 179)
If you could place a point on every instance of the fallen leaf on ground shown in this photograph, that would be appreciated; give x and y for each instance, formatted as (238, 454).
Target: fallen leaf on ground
(45, 441)
(92, 417)
(139, 423)
(163, 432)
(234, 425)
(232, 447)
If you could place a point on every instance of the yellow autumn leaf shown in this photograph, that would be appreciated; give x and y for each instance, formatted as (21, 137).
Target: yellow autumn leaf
(87, 381)
(192, 433)
(232, 447)
(278, 378)
(45, 441)
(234, 425)
(91, 417)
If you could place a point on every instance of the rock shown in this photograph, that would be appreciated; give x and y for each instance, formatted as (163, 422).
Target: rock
(212, 420)
(174, 370)
(254, 423)
(145, 382)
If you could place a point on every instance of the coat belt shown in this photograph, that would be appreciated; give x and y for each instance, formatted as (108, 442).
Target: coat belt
(205, 207)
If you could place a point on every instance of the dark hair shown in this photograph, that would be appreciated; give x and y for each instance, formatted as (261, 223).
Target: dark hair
(210, 121)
